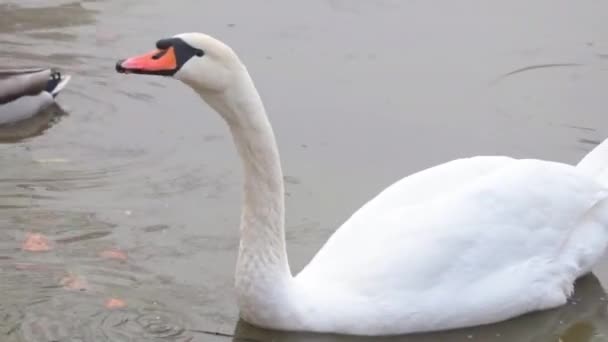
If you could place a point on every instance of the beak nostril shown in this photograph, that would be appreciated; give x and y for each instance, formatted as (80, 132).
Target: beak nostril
(159, 54)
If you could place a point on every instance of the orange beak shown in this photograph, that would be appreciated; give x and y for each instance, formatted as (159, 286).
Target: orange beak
(157, 62)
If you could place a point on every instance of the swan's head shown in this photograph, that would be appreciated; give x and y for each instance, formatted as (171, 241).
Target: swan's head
(201, 61)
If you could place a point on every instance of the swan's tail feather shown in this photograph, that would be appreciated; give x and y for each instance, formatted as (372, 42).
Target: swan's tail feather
(595, 163)
(587, 244)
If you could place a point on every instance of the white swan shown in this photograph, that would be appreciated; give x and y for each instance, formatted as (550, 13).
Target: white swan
(468, 242)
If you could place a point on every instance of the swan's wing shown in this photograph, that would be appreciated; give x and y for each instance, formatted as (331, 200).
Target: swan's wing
(16, 83)
(515, 212)
(429, 183)
(595, 163)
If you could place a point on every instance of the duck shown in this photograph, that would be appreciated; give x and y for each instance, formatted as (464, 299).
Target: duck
(26, 92)
(469, 242)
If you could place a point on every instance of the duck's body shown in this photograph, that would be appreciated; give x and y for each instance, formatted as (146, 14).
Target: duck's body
(26, 92)
(468, 242)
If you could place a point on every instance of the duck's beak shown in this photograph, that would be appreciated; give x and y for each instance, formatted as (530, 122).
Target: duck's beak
(158, 62)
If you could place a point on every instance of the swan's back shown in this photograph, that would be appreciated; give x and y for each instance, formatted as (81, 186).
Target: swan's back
(500, 227)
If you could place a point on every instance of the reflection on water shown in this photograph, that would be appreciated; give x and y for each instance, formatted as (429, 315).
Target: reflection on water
(31, 127)
(119, 223)
(63, 318)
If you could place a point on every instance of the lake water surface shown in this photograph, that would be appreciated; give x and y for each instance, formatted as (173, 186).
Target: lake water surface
(137, 187)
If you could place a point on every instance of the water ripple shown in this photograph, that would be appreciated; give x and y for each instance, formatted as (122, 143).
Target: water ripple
(65, 318)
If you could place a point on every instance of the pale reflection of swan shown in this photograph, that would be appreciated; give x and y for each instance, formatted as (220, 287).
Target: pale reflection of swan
(468, 242)
(32, 126)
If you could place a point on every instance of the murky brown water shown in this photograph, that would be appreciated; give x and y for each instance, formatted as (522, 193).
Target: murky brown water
(137, 187)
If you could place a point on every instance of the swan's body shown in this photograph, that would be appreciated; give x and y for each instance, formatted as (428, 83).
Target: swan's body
(27, 92)
(468, 242)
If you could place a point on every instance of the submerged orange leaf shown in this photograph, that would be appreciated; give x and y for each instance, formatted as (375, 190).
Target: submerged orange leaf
(35, 242)
(74, 282)
(115, 254)
(115, 303)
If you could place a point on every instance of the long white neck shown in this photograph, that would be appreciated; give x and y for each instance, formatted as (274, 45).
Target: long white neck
(262, 272)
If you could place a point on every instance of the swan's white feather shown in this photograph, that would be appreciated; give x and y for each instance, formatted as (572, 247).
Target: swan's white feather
(490, 239)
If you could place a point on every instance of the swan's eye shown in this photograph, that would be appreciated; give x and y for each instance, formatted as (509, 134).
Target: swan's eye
(199, 52)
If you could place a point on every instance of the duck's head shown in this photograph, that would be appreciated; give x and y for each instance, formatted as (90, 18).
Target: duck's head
(199, 60)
